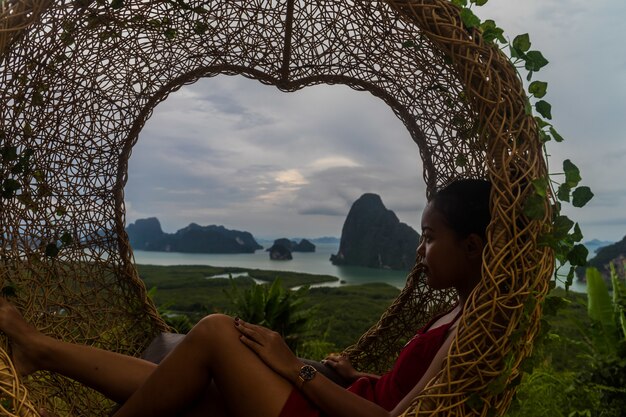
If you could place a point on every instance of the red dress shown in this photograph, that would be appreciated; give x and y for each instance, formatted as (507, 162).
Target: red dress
(390, 388)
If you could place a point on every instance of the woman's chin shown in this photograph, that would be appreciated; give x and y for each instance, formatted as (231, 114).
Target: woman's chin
(434, 284)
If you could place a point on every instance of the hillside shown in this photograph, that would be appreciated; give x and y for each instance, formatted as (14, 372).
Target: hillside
(146, 234)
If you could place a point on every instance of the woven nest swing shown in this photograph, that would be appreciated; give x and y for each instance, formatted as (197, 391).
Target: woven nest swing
(79, 81)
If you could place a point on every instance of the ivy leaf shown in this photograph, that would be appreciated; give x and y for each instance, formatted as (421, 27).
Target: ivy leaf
(18, 168)
(117, 4)
(39, 175)
(572, 173)
(578, 255)
(555, 134)
(544, 108)
(170, 33)
(534, 207)
(541, 186)
(528, 108)
(491, 33)
(538, 88)
(470, 20)
(408, 44)
(563, 192)
(522, 42)
(570, 278)
(200, 28)
(460, 3)
(9, 187)
(479, 2)
(516, 53)
(535, 61)
(561, 225)
(38, 98)
(66, 239)
(9, 153)
(461, 160)
(52, 250)
(577, 236)
(27, 200)
(28, 130)
(581, 196)
(541, 123)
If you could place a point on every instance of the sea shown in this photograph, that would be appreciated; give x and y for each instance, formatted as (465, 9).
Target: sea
(317, 262)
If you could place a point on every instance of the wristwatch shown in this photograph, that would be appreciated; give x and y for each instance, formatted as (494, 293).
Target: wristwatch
(307, 373)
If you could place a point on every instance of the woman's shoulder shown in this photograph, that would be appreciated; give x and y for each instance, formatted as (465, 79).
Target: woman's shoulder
(448, 319)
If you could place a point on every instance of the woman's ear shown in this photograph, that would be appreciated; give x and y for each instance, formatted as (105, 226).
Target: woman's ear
(474, 245)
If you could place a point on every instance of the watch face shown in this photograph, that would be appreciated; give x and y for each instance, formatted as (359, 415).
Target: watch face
(307, 372)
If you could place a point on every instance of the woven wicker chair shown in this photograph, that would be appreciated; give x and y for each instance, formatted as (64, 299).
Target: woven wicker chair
(79, 80)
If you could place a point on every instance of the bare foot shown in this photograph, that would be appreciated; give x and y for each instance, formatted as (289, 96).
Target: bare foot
(27, 343)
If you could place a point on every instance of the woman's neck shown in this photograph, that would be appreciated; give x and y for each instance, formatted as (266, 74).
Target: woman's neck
(463, 292)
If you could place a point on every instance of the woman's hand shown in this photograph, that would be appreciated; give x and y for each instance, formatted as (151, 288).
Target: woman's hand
(341, 364)
(271, 348)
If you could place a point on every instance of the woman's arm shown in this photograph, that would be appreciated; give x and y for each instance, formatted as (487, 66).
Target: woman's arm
(328, 396)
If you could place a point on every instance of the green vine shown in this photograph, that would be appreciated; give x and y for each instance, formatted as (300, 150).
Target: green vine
(565, 235)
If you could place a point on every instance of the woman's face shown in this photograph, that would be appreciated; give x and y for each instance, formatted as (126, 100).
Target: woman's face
(444, 254)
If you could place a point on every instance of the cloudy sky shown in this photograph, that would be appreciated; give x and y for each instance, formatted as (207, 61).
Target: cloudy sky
(231, 151)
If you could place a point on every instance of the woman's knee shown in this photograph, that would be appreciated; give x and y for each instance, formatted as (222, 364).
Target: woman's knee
(212, 327)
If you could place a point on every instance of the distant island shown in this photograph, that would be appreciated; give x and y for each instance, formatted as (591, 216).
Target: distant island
(595, 244)
(372, 236)
(282, 248)
(146, 234)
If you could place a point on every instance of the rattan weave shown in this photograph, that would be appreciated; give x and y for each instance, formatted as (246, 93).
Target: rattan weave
(80, 78)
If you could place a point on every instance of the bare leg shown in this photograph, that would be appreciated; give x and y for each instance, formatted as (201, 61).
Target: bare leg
(211, 350)
(116, 376)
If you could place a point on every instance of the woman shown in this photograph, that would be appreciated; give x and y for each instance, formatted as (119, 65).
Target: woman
(227, 367)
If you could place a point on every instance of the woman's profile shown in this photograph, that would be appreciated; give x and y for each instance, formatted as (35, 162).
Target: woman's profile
(226, 367)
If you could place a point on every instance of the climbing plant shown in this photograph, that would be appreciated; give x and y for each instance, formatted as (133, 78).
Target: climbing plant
(564, 236)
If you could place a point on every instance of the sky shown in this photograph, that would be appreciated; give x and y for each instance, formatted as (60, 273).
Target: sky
(234, 152)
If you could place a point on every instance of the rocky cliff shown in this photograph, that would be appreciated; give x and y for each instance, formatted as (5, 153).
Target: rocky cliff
(282, 248)
(279, 252)
(304, 246)
(146, 234)
(372, 236)
(293, 246)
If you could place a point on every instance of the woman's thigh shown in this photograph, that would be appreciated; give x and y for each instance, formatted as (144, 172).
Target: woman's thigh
(245, 383)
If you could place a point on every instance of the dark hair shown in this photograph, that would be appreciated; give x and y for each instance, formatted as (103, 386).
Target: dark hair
(465, 206)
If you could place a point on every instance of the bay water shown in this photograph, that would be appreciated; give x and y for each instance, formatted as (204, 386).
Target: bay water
(317, 262)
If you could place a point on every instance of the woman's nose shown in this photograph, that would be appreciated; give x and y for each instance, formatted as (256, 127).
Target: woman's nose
(420, 248)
